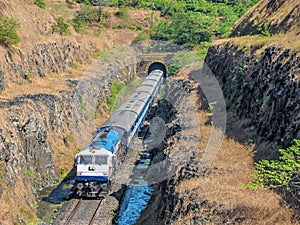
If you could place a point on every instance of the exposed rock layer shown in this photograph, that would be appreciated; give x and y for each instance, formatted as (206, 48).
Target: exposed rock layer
(40, 133)
(262, 93)
(40, 60)
(269, 17)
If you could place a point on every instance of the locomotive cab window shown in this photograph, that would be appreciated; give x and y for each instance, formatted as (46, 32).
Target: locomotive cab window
(101, 160)
(85, 159)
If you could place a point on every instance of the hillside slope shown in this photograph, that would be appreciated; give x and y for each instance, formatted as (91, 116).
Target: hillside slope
(44, 54)
(259, 74)
(270, 17)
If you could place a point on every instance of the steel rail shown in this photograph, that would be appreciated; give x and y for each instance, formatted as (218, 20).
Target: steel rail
(73, 213)
(95, 213)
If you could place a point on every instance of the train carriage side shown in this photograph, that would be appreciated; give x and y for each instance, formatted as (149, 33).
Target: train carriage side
(133, 111)
(143, 99)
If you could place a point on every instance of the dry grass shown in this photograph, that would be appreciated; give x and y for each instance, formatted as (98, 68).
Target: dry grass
(33, 31)
(23, 204)
(289, 40)
(231, 171)
(266, 12)
(260, 43)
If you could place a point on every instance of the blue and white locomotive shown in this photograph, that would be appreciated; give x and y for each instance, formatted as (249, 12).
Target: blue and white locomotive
(96, 163)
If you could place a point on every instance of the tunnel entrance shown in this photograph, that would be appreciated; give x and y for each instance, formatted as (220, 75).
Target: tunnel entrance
(157, 64)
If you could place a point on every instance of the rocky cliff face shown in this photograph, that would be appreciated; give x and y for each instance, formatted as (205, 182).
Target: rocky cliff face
(269, 17)
(216, 194)
(40, 60)
(41, 133)
(259, 75)
(262, 93)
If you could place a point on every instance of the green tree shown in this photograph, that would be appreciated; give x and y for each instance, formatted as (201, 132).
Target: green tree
(113, 101)
(189, 29)
(8, 35)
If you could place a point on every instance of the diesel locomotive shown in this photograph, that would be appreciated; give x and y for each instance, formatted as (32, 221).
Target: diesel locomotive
(96, 163)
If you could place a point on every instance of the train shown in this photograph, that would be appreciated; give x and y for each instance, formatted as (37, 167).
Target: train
(97, 162)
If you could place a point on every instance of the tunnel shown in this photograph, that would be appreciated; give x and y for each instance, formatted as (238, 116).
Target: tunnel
(157, 64)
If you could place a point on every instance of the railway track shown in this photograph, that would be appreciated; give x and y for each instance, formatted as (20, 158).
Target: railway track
(84, 212)
(92, 220)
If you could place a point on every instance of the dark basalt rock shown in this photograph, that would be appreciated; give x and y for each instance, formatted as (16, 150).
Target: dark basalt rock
(2, 82)
(264, 90)
(28, 121)
(41, 61)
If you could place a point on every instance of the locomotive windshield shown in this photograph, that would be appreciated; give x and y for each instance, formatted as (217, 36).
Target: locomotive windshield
(85, 159)
(89, 159)
(102, 160)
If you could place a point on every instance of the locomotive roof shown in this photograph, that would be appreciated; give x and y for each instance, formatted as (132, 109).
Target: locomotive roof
(106, 139)
(94, 151)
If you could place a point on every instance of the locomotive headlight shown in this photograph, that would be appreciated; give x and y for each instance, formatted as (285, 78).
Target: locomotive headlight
(80, 186)
(104, 186)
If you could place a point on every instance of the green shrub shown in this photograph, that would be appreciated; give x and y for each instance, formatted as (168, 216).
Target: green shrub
(113, 101)
(8, 35)
(280, 174)
(88, 15)
(122, 13)
(181, 59)
(40, 3)
(125, 22)
(202, 49)
(82, 103)
(70, 138)
(192, 23)
(60, 26)
(78, 25)
(191, 32)
(63, 173)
